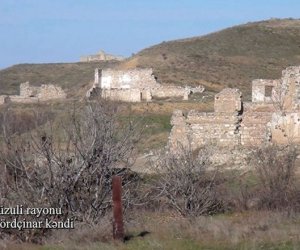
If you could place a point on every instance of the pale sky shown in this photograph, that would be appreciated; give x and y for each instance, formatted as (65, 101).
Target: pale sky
(39, 31)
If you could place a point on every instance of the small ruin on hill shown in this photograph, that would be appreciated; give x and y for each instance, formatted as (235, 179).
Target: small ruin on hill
(272, 116)
(100, 56)
(135, 85)
(32, 94)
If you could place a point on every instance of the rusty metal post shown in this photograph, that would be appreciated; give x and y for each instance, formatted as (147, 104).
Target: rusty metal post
(118, 227)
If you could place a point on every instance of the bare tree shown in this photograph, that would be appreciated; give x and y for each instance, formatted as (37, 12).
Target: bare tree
(186, 183)
(275, 171)
(69, 164)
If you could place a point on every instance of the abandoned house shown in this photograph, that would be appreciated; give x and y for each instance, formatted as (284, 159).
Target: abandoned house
(100, 56)
(273, 115)
(135, 85)
(31, 94)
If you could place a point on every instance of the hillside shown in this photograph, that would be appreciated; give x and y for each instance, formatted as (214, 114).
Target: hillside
(231, 57)
(71, 76)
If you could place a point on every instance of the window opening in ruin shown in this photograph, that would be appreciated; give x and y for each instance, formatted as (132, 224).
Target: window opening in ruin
(268, 91)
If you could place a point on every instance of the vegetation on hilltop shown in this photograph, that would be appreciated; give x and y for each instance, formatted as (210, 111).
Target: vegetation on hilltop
(232, 57)
(71, 76)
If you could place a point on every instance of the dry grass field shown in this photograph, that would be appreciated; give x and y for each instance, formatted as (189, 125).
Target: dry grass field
(247, 230)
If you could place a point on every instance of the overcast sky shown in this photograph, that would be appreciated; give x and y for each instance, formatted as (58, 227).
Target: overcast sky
(37, 31)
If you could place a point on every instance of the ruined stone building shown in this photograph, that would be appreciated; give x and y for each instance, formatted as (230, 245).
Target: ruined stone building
(100, 56)
(135, 85)
(31, 94)
(272, 116)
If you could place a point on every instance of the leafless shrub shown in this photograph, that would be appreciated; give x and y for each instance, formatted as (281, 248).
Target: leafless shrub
(241, 195)
(17, 122)
(275, 170)
(69, 165)
(186, 184)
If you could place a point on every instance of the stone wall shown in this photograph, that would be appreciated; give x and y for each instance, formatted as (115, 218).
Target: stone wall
(180, 133)
(32, 94)
(213, 128)
(4, 99)
(228, 100)
(167, 91)
(197, 89)
(260, 91)
(126, 95)
(270, 117)
(100, 56)
(50, 92)
(285, 128)
(254, 128)
(142, 79)
(28, 91)
(200, 128)
(121, 79)
(290, 82)
(43, 93)
(21, 99)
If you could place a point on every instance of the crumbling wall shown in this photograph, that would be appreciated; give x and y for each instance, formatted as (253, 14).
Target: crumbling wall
(260, 91)
(167, 91)
(142, 79)
(228, 100)
(213, 128)
(218, 128)
(180, 133)
(146, 95)
(49, 92)
(27, 91)
(4, 99)
(32, 94)
(43, 93)
(285, 128)
(285, 91)
(21, 99)
(126, 95)
(291, 88)
(100, 56)
(200, 128)
(197, 89)
(124, 85)
(270, 117)
(280, 123)
(125, 79)
(254, 128)
(94, 90)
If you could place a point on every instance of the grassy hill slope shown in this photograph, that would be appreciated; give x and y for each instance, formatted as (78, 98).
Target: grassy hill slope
(231, 57)
(70, 76)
